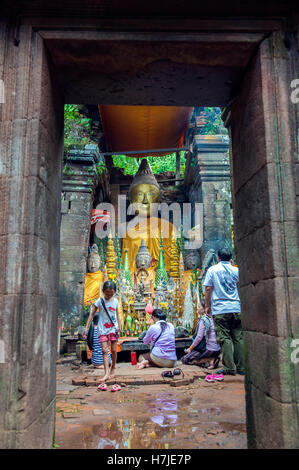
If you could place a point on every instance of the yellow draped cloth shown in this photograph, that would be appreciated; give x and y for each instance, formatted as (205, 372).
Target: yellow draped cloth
(93, 285)
(150, 231)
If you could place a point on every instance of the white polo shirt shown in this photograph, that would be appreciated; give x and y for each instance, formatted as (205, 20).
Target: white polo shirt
(224, 278)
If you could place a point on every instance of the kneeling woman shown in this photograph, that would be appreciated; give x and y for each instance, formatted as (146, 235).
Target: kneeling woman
(162, 337)
(210, 351)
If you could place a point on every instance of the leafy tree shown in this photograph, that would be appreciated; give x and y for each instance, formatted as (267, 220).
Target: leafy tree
(158, 164)
(77, 128)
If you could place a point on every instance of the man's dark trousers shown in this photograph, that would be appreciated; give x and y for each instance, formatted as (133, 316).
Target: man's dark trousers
(229, 334)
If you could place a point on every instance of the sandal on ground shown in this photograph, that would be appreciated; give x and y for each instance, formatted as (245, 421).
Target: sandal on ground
(218, 377)
(210, 378)
(178, 372)
(167, 374)
(115, 388)
(103, 387)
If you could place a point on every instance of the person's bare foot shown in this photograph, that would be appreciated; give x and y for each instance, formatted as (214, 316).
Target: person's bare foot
(106, 377)
(112, 372)
(98, 367)
(140, 365)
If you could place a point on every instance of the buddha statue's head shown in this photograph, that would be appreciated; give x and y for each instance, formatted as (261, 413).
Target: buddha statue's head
(144, 190)
(93, 259)
(143, 258)
(192, 259)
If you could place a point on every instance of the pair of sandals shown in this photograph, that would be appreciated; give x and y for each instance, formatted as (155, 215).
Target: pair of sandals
(103, 387)
(169, 374)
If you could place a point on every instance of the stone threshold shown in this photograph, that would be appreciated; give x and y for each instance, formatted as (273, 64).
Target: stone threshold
(188, 378)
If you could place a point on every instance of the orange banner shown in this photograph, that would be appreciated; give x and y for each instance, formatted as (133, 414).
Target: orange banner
(131, 128)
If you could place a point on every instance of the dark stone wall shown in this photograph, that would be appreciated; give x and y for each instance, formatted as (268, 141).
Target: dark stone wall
(264, 129)
(207, 180)
(79, 183)
(30, 186)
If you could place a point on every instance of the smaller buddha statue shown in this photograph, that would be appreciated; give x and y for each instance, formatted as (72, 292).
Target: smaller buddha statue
(93, 259)
(139, 303)
(192, 259)
(143, 264)
(94, 276)
(192, 262)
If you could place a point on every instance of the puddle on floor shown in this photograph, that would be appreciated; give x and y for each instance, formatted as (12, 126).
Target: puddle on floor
(160, 422)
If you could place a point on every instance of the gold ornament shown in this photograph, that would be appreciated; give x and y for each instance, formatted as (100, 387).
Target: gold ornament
(111, 258)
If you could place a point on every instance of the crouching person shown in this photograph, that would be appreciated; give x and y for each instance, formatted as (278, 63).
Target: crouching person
(204, 347)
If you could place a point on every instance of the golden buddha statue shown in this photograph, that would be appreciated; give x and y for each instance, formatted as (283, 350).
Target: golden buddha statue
(144, 194)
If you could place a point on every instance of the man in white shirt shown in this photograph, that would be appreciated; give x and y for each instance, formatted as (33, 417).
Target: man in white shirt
(223, 302)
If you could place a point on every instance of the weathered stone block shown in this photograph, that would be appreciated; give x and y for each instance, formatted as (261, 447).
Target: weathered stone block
(273, 373)
(264, 307)
(270, 424)
(74, 230)
(72, 259)
(293, 291)
(259, 254)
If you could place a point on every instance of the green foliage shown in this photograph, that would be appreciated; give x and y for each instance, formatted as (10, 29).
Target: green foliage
(68, 170)
(77, 128)
(100, 168)
(158, 164)
(214, 124)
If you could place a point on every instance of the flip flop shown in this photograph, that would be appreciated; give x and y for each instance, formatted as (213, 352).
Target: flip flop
(103, 387)
(178, 372)
(210, 378)
(115, 388)
(167, 374)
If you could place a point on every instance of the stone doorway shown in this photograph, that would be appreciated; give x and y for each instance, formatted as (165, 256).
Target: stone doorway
(47, 63)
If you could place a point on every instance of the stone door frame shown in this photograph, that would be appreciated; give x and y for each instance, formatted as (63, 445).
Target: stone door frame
(31, 183)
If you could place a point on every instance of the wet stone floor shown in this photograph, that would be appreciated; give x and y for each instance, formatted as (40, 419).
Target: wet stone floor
(200, 415)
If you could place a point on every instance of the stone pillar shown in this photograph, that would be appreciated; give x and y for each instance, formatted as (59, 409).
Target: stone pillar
(210, 184)
(79, 181)
(30, 186)
(264, 129)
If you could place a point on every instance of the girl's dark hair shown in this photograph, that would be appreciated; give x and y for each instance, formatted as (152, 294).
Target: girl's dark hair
(158, 313)
(109, 285)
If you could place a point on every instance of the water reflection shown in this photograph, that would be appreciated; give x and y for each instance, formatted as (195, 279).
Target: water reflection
(157, 431)
(165, 405)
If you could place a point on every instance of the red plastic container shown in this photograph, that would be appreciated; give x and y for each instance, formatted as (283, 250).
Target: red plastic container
(133, 358)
